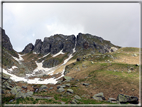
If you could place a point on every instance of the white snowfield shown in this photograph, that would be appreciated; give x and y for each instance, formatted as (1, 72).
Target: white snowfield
(30, 81)
(20, 58)
(61, 52)
(37, 80)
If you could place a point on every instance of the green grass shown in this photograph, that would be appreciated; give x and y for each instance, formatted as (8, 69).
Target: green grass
(92, 101)
(7, 99)
(130, 49)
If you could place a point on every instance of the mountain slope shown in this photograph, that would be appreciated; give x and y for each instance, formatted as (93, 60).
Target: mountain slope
(82, 70)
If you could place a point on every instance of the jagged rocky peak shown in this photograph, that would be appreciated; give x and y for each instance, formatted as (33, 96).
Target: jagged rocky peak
(38, 45)
(6, 44)
(29, 48)
(88, 41)
(5, 40)
(58, 42)
(66, 43)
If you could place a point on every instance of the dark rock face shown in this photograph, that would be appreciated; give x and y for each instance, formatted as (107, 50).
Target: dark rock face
(69, 44)
(7, 46)
(5, 40)
(37, 47)
(46, 46)
(87, 41)
(28, 48)
(58, 42)
(54, 44)
(127, 99)
(50, 63)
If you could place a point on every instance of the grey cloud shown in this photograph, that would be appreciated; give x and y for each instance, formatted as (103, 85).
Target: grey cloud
(119, 22)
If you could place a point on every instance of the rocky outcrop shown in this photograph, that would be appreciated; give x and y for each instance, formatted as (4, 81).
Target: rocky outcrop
(46, 46)
(29, 48)
(99, 96)
(88, 41)
(58, 42)
(54, 44)
(5, 40)
(50, 63)
(6, 44)
(38, 45)
(127, 99)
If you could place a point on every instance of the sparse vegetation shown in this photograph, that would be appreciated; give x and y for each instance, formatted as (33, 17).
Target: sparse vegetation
(106, 73)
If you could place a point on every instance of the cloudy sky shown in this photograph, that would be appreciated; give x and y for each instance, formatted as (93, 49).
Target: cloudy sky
(117, 22)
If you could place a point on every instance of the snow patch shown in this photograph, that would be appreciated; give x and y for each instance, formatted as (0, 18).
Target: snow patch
(37, 80)
(30, 81)
(35, 53)
(61, 52)
(19, 59)
(44, 56)
(66, 60)
(74, 48)
(13, 67)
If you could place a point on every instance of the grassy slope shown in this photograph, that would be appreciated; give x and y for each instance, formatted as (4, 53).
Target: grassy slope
(110, 78)
(101, 75)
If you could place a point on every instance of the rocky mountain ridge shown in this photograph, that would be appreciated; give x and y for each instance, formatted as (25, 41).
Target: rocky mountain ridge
(53, 47)
(58, 42)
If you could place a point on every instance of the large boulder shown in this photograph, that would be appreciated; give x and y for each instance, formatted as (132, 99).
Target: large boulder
(74, 101)
(29, 94)
(99, 96)
(61, 90)
(67, 78)
(5, 77)
(15, 90)
(77, 97)
(20, 95)
(70, 91)
(127, 99)
(85, 84)
(113, 49)
(42, 88)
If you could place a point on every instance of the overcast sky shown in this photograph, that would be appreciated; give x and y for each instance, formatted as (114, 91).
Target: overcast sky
(117, 22)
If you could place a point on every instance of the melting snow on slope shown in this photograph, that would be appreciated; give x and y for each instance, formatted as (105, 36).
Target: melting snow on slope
(74, 48)
(35, 53)
(37, 80)
(31, 81)
(61, 52)
(44, 56)
(20, 58)
(66, 60)
(13, 67)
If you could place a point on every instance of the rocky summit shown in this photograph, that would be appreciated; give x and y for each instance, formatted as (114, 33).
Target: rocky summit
(58, 42)
(70, 69)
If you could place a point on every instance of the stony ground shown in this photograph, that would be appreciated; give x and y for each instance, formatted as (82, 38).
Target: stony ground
(90, 79)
